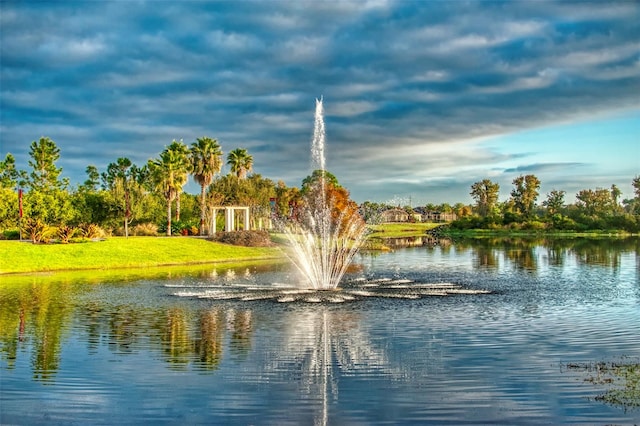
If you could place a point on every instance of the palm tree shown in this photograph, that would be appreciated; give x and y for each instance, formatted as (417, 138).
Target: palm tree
(206, 161)
(182, 152)
(169, 175)
(241, 162)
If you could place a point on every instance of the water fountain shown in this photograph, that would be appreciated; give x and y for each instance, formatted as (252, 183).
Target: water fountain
(324, 239)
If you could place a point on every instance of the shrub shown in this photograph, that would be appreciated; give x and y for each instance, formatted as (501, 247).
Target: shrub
(145, 229)
(91, 230)
(534, 225)
(38, 231)
(65, 233)
(244, 238)
(10, 234)
(179, 228)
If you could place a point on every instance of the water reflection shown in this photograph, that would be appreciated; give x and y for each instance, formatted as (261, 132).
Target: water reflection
(36, 315)
(530, 254)
(131, 340)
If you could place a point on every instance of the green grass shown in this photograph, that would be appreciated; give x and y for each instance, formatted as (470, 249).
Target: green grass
(397, 230)
(119, 252)
(479, 233)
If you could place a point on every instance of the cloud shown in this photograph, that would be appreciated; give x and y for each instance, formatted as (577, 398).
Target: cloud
(410, 88)
(538, 168)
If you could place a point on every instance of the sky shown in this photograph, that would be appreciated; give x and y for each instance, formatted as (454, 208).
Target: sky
(421, 98)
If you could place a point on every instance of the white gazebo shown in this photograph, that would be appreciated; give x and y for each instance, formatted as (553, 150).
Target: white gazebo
(229, 218)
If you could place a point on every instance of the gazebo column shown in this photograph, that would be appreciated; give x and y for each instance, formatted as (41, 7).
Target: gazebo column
(246, 218)
(229, 219)
(212, 225)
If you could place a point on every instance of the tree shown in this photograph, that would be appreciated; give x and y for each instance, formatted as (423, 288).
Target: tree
(315, 178)
(525, 194)
(9, 175)
(47, 199)
(124, 180)
(633, 205)
(240, 161)
(615, 197)
(554, 202)
(343, 211)
(44, 153)
(169, 174)
(206, 162)
(485, 193)
(595, 203)
(636, 187)
(8, 197)
(182, 153)
(93, 178)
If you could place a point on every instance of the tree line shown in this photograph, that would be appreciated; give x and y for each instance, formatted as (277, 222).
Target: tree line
(594, 209)
(148, 199)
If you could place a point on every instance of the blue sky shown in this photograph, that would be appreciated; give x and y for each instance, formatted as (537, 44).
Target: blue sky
(421, 98)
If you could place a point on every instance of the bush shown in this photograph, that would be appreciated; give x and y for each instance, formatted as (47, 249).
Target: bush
(244, 238)
(145, 230)
(65, 233)
(179, 228)
(534, 225)
(38, 231)
(10, 234)
(91, 231)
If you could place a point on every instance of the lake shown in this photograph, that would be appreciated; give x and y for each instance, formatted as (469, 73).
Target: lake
(488, 331)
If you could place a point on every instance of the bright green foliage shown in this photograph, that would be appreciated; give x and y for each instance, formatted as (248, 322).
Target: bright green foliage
(169, 174)
(485, 193)
(254, 192)
(93, 179)
(125, 182)
(240, 161)
(286, 198)
(310, 181)
(8, 208)
(525, 194)
(554, 202)
(44, 177)
(9, 175)
(595, 202)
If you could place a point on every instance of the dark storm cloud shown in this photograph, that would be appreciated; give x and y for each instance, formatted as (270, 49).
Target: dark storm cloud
(405, 83)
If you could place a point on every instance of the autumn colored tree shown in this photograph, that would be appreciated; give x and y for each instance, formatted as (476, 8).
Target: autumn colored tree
(320, 191)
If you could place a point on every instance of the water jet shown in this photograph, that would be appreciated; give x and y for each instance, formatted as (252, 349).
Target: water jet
(323, 238)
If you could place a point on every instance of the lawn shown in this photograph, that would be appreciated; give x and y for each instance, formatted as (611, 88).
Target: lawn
(120, 252)
(398, 230)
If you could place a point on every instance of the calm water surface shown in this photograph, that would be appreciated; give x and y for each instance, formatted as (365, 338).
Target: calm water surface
(182, 347)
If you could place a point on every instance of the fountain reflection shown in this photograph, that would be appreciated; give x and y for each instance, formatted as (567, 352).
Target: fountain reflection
(323, 344)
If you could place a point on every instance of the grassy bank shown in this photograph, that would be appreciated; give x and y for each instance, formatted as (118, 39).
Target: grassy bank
(399, 230)
(479, 233)
(117, 252)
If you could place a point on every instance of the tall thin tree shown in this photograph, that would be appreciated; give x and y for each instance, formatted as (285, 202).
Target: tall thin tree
(169, 174)
(206, 162)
